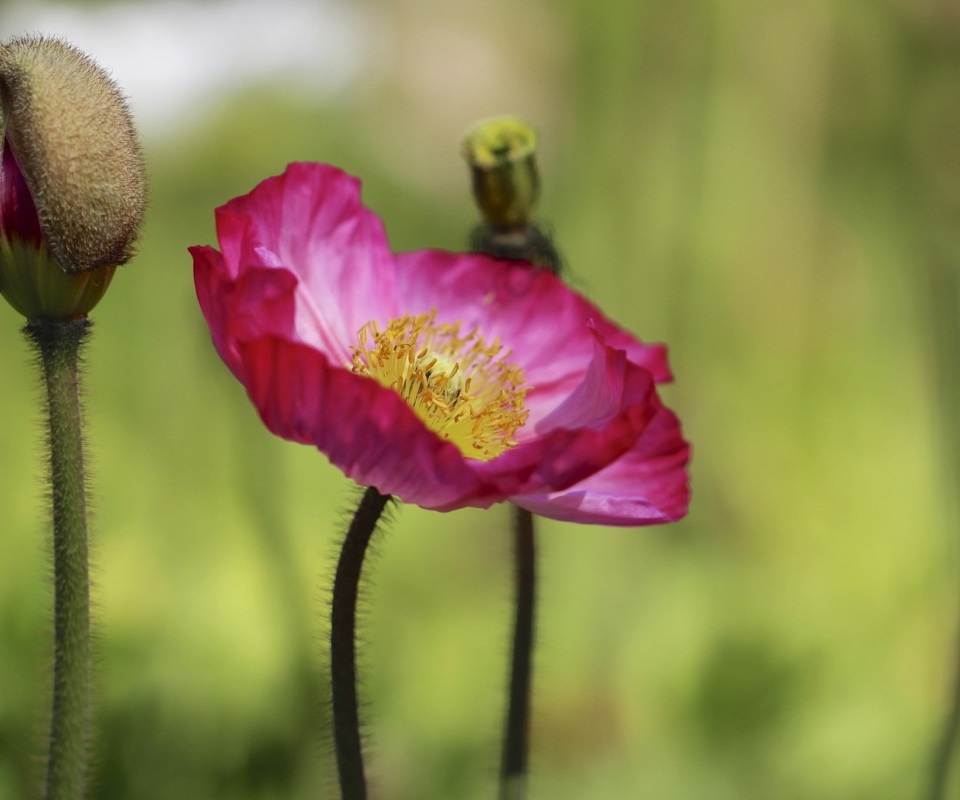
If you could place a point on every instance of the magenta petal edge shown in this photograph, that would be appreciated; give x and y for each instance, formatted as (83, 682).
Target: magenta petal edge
(302, 266)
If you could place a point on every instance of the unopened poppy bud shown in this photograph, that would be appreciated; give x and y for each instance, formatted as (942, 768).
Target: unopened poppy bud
(502, 157)
(72, 188)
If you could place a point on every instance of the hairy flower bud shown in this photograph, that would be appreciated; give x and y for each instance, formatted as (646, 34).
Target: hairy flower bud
(502, 157)
(72, 188)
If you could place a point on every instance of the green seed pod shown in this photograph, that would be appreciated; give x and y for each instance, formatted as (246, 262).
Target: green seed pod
(502, 157)
(74, 141)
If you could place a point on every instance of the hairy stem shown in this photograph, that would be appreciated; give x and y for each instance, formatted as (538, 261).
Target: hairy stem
(343, 656)
(58, 344)
(529, 243)
(513, 768)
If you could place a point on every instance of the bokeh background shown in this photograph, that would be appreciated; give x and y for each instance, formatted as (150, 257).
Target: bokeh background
(770, 187)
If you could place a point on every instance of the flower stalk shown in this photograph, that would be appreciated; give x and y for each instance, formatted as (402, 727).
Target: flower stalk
(58, 344)
(506, 186)
(343, 644)
(71, 203)
(513, 765)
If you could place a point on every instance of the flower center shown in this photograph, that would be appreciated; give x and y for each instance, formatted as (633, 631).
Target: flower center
(460, 386)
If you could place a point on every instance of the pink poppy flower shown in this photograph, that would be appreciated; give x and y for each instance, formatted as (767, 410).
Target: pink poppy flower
(446, 380)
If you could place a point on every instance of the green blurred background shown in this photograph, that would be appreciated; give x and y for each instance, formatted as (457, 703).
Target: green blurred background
(770, 187)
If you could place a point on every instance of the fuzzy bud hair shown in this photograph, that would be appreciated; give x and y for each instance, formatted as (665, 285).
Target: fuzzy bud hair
(77, 147)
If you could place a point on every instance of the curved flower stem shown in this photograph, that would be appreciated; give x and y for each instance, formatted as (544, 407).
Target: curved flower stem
(343, 657)
(513, 768)
(58, 345)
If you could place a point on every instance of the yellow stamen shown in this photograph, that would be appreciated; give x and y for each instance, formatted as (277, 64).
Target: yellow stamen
(461, 387)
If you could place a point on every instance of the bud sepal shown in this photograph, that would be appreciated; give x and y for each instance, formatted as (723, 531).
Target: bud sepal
(36, 286)
(72, 184)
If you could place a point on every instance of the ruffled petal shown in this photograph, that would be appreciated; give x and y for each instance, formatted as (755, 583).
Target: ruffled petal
(547, 327)
(310, 222)
(215, 291)
(258, 302)
(367, 431)
(305, 266)
(371, 434)
(646, 486)
(597, 424)
(598, 396)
